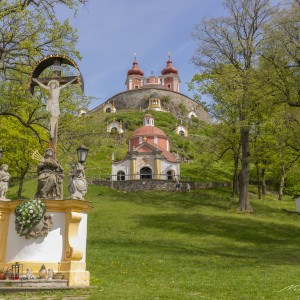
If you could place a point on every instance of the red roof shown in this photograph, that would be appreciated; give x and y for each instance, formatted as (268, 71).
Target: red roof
(148, 130)
(135, 70)
(169, 69)
(168, 155)
(146, 146)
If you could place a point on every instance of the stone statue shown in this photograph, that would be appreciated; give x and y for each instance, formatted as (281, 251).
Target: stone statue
(53, 102)
(50, 177)
(77, 182)
(4, 180)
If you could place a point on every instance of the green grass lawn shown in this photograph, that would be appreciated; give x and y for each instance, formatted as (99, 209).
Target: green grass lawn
(160, 245)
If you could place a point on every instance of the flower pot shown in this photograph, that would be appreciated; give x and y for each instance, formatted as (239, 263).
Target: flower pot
(2, 276)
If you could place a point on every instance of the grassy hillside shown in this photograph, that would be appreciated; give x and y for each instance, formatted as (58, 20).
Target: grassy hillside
(91, 131)
(162, 245)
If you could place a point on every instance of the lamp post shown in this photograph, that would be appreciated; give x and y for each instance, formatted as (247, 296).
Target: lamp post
(82, 154)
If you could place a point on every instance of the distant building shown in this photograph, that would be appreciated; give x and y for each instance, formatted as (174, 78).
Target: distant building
(169, 79)
(181, 130)
(160, 93)
(148, 156)
(114, 127)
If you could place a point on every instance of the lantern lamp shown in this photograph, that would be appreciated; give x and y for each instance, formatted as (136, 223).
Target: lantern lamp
(17, 271)
(82, 153)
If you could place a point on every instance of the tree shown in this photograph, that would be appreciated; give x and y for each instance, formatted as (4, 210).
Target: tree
(29, 30)
(281, 54)
(235, 41)
(225, 132)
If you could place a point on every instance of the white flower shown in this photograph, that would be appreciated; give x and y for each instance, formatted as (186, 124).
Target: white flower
(31, 211)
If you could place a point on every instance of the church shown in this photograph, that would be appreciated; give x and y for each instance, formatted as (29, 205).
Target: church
(160, 93)
(148, 156)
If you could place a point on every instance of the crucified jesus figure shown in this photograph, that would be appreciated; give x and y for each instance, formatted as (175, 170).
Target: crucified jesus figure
(53, 102)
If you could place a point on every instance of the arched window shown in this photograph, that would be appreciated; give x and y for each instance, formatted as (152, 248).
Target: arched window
(145, 173)
(171, 175)
(108, 110)
(121, 175)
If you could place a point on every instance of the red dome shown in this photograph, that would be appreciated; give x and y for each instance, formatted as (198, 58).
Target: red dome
(148, 131)
(169, 69)
(135, 70)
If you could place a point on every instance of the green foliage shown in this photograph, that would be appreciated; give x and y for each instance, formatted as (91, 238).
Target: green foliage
(182, 108)
(165, 101)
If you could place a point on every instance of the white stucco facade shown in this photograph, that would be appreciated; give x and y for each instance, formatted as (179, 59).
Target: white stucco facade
(44, 249)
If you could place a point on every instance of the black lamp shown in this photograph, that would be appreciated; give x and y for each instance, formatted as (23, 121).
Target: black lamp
(1, 152)
(82, 153)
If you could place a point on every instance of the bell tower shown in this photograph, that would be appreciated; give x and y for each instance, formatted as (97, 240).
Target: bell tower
(135, 76)
(170, 79)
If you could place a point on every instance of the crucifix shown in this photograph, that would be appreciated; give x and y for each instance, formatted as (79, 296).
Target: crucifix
(53, 85)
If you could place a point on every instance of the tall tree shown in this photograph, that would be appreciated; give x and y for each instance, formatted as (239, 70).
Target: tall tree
(281, 54)
(235, 41)
(30, 30)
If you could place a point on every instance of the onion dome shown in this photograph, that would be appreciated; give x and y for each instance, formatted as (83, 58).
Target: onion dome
(135, 69)
(169, 68)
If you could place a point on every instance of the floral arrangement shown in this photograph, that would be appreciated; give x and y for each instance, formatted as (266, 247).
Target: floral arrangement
(28, 214)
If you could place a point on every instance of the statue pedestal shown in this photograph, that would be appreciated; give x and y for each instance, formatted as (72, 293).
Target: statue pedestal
(63, 249)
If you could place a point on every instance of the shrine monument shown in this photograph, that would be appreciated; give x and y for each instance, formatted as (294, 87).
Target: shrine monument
(48, 234)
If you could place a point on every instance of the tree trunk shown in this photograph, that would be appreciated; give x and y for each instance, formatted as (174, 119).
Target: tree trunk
(22, 177)
(259, 185)
(244, 203)
(21, 186)
(281, 182)
(263, 180)
(235, 180)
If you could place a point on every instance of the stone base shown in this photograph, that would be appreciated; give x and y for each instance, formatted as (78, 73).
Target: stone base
(76, 273)
(36, 283)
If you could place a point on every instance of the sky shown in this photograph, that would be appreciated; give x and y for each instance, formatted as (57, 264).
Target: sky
(111, 31)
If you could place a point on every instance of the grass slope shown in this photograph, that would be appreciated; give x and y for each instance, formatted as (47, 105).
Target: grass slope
(179, 246)
(160, 245)
(91, 131)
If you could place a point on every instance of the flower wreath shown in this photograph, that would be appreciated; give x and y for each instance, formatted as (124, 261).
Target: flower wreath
(28, 214)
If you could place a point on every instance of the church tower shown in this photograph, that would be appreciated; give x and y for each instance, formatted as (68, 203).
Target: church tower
(170, 79)
(135, 76)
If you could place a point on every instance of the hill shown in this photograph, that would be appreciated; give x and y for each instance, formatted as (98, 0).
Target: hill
(91, 131)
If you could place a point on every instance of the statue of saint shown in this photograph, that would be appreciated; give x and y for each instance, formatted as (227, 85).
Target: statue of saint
(53, 102)
(77, 182)
(4, 180)
(50, 177)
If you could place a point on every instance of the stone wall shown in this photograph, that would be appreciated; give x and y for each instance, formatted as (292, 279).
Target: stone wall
(179, 104)
(156, 185)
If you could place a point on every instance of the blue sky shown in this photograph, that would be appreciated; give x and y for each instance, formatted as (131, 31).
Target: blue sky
(110, 31)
